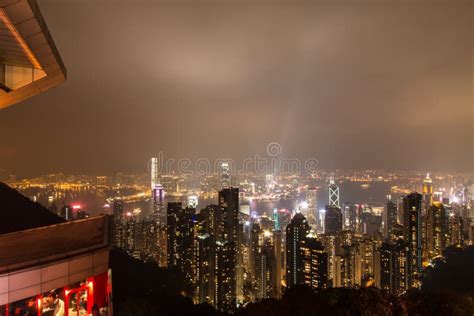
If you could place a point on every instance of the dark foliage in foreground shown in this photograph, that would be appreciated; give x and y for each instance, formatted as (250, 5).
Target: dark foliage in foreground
(448, 289)
(338, 301)
(144, 289)
(365, 301)
(454, 273)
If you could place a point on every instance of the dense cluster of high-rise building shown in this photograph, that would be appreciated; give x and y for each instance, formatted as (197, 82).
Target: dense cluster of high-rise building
(227, 257)
(204, 248)
(223, 255)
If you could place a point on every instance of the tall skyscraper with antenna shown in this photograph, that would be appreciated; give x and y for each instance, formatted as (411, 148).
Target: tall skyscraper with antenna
(427, 191)
(153, 173)
(333, 193)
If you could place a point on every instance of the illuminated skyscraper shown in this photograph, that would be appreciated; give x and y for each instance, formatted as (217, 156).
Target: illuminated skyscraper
(254, 244)
(296, 233)
(315, 261)
(212, 217)
(173, 211)
(389, 218)
(436, 230)
(412, 206)
(392, 267)
(205, 255)
(455, 229)
(358, 211)
(321, 220)
(352, 262)
(205, 267)
(225, 175)
(345, 272)
(227, 252)
(153, 172)
(365, 261)
(267, 266)
(225, 285)
(333, 193)
(312, 213)
(162, 246)
(229, 205)
(158, 200)
(180, 232)
(158, 194)
(145, 244)
(330, 244)
(276, 220)
(117, 209)
(427, 191)
(193, 201)
(348, 217)
(239, 265)
(130, 235)
(276, 286)
(157, 226)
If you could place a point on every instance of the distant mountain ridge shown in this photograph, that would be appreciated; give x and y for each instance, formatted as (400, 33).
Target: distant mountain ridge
(18, 212)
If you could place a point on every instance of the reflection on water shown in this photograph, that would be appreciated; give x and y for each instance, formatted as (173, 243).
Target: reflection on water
(350, 192)
(358, 192)
(267, 207)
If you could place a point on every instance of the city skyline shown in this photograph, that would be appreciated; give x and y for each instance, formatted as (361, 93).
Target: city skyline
(355, 246)
(353, 85)
(235, 157)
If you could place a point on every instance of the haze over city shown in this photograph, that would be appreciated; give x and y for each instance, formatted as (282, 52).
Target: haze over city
(352, 84)
(236, 157)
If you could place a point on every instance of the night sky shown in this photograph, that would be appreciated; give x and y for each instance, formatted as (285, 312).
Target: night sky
(377, 84)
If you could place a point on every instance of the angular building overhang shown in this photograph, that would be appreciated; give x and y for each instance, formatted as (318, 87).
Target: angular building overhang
(29, 60)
